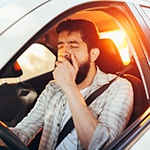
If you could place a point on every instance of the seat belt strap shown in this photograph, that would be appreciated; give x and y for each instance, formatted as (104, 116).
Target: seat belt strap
(69, 126)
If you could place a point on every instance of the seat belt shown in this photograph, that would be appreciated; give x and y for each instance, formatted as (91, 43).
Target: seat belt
(70, 125)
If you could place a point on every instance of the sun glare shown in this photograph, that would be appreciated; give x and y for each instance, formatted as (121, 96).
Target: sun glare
(119, 39)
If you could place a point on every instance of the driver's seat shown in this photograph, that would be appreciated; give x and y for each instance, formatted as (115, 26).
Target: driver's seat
(110, 61)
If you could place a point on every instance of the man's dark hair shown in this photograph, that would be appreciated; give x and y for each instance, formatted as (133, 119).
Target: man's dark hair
(87, 30)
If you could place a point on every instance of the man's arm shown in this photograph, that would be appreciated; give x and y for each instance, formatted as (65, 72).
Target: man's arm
(84, 121)
(82, 117)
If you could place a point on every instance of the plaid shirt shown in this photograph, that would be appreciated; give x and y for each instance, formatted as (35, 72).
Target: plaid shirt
(112, 109)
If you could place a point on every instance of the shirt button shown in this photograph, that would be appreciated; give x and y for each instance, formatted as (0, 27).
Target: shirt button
(58, 124)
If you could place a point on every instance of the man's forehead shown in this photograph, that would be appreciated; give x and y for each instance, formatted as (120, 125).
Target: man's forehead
(69, 36)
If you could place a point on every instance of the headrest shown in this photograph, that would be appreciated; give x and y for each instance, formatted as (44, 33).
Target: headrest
(109, 60)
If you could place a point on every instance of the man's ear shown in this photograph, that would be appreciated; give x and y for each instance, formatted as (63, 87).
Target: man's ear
(94, 53)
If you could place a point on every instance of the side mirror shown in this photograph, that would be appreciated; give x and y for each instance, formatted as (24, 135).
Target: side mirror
(12, 71)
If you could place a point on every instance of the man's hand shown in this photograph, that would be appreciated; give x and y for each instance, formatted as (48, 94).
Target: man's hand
(65, 72)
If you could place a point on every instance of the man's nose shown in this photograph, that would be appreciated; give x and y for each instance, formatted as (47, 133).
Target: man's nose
(67, 56)
(66, 51)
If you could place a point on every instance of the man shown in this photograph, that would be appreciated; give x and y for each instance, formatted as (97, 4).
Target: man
(76, 77)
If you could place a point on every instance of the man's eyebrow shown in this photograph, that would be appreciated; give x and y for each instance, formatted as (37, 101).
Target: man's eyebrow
(70, 42)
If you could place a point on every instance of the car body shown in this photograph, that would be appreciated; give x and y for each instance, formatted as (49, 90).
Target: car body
(24, 23)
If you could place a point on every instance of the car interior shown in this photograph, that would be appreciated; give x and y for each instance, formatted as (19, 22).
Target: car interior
(17, 99)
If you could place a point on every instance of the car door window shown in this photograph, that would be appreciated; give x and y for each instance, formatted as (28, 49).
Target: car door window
(36, 60)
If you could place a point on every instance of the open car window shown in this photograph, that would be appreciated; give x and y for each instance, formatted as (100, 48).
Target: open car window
(36, 60)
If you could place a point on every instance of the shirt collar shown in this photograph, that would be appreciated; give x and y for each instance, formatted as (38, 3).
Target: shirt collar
(100, 79)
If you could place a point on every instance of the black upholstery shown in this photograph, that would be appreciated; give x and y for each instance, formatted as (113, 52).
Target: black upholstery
(15, 101)
(140, 101)
(110, 61)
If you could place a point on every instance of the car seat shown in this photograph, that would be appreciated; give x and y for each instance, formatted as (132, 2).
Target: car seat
(110, 61)
(16, 99)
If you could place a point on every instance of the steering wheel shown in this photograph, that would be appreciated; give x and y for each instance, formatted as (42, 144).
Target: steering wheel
(10, 139)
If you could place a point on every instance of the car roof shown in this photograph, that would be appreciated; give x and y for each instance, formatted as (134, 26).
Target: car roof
(13, 11)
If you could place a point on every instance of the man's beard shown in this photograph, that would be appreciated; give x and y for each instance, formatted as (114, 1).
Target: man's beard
(82, 72)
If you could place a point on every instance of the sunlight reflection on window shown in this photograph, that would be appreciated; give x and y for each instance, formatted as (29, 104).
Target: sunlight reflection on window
(120, 42)
(36, 60)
